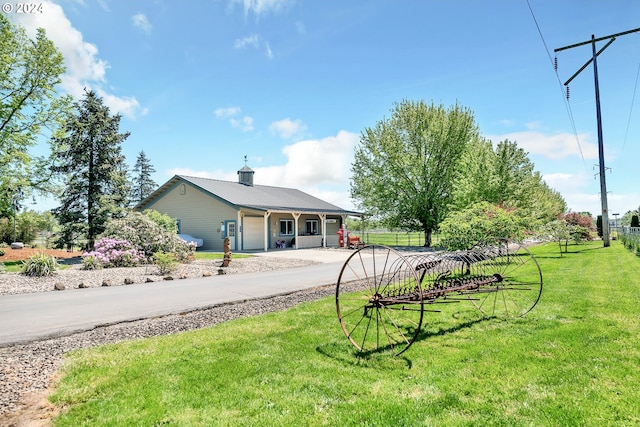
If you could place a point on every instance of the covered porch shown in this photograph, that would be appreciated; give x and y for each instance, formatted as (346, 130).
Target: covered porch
(281, 228)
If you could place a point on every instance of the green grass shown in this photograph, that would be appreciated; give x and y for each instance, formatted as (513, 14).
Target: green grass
(573, 361)
(13, 266)
(218, 255)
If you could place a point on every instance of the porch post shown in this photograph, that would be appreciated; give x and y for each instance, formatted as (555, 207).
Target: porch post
(295, 227)
(239, 231)
(323, 221)
(266, 230)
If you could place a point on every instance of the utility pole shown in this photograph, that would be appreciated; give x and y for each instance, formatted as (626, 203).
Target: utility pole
(603, 181)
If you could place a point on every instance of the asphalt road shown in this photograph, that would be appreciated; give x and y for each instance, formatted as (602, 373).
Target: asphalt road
(36, 316)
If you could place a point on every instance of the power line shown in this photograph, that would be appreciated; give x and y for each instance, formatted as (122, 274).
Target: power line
(554, 64)
(603, 185)
(626, 133)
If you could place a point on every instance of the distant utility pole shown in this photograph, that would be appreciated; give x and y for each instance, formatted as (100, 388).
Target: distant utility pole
(603, 182)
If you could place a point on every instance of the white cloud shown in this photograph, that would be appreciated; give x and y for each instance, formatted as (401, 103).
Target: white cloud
(249, 41)
(244, 123)
(128, 106)
(567, 183)
(260, 7)
(141, 22)
(556, 147)
(227, 112)
(288, 128)
(580, 191)
(326, 160)
(253, 42)
(85, 69)
(268, 50)
(319, 167)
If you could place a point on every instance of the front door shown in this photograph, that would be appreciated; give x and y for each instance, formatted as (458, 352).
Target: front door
(231, 234)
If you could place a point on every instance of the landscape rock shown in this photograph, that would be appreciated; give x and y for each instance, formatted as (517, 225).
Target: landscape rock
(149, 280)
(128, 281)
(206, 274)
(17, 245)
(84, 285)
(167, 278)
(59, 286)
(106, 282)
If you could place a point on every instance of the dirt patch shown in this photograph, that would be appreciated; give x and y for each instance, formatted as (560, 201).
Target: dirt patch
(35, 411)
(22, 254)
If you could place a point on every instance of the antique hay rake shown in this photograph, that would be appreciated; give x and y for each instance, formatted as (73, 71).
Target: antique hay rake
(382, 295)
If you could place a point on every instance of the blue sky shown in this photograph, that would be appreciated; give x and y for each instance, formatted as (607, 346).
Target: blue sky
(291, 84)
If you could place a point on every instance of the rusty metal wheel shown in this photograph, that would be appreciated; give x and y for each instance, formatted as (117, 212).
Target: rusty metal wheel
(379, 300)
(519, 286)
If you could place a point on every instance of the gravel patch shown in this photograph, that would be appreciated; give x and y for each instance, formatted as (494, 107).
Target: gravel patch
(27, 370)
(74, 275)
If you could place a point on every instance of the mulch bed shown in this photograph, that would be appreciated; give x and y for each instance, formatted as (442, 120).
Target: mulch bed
(22, 254)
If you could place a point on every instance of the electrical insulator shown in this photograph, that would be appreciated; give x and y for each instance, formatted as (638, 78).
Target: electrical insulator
(567, 92)
(555, 63)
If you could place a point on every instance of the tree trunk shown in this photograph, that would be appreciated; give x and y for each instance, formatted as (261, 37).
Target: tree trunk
(427, 238)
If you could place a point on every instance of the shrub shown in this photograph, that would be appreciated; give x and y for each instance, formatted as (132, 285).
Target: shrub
(91, 262)
(1, 252)
(163, 221)
(116, 253)
(148, 237)
(39, 265)
(166, 262)
(481, 223)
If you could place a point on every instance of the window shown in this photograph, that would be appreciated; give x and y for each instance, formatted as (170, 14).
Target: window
(178, 224)
(312, 226)
(286, 227)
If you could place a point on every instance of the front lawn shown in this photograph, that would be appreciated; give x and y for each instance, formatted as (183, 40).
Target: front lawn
(573, 361)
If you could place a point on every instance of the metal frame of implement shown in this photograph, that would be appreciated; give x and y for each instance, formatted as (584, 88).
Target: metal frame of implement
(382, 294)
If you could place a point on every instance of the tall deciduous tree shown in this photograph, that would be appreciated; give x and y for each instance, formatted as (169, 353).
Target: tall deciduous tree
(90, 158)
(30, 69)
(405, 166)
(505, 176)
(143, 185)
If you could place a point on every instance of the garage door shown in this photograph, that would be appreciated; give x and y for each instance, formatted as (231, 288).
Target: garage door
(253, 233)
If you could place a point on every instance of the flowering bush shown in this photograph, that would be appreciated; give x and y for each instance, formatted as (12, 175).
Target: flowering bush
(115, 253)
(146, 235)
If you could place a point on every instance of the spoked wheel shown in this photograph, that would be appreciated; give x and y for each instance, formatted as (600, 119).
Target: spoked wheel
(518, 284)
(379, 300)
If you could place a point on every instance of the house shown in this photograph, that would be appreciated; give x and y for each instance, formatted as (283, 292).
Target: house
(254, 217)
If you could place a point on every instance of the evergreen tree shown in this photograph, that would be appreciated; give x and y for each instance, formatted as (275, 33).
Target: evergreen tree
(90, 159)
(143, 185)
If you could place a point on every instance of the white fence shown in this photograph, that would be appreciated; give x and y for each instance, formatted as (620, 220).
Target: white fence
(305, 242)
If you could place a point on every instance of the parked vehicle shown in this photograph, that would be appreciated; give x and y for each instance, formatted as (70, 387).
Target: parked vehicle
(190, 239)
